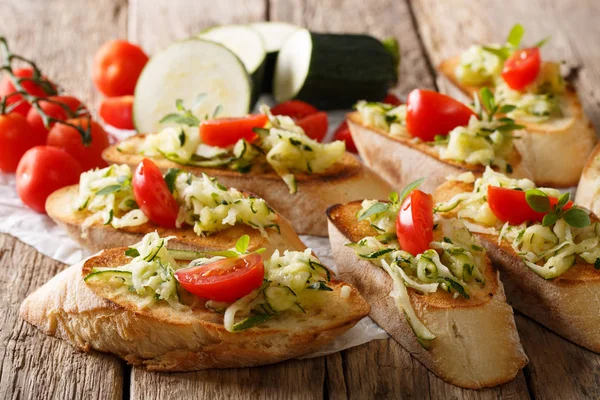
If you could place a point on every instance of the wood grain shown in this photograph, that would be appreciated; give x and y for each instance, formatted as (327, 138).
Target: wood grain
(32, 365)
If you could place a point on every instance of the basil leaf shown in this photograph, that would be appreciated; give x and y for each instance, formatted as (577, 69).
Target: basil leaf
(224, 253)
(179, 104)
(537, 200)
(409, 188)
(487, 98)
(502, 53)
(515, 35)
(108, 190)
(542, 42)
(374, 209)
(550, 219)
(242, 244)
(393, 197)
(505, 109)
(170, 178)
(169, 118)
(131, 252)
(563, 200)
(576, 217)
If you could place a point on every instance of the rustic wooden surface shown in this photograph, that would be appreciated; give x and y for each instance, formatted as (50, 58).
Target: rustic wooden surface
(62, 37)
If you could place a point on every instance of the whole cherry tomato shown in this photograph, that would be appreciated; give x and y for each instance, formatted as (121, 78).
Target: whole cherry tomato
(430, 113)
(69, 139)
(295, 109)
(118, 111)
(224, 132)
(521, 68)
(53, 110)
(16, 137)
(117, 67)
(7, 87)
(343, 133)
(414, 225)
(510, 205)
(224, 280)
(153, 196)
(41, 171)
(314, 125)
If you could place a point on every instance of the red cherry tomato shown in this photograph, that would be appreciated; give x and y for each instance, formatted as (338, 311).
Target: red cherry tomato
(52, 110)
(521, 68)
(224, 132)
(314, 125)
(343, 133)
(510, 205)
(43, 170)
(224, 280)
(69, 139)
(117, 67)
(7, 87)
(16, 137)
(294, 108)
(414, 225)
(392, 99)
(118, 111)
(153, 195)
(430, 113)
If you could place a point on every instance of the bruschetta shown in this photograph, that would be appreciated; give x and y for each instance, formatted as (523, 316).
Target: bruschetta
(439, 137)
(431, 286)
(298, 176)
(557, 135)
(103, 210)
(158, 309)
(546, 248)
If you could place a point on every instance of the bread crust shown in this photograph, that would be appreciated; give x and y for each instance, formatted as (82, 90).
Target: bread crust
(556, 150)
(467, 351)
(160, 338)
(568, 305)
(345, 181)
(403, 160)
(589, 184)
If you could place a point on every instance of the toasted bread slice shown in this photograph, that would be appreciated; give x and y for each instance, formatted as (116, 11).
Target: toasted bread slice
(476, 345)
(161, 338)
(345, 181)
(589, 184)
(568, 305)
(556, 149)
(98, 236)
(403, 160)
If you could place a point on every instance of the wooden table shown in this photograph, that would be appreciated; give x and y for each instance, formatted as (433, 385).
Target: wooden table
(62, 36)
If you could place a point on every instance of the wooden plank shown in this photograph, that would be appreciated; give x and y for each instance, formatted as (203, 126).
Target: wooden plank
(62, 37)
(32, 365)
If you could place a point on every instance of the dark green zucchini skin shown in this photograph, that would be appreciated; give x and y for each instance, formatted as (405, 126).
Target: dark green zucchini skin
(345, 68)
(258, 79)
(270, 61)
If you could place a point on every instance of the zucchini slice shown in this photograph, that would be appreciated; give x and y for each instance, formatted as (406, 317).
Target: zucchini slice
(246, 43)
(274, 34)
(333, 71)
(185, 70)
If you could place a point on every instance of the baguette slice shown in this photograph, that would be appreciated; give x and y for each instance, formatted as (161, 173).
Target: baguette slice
(402, 160)
(556, 150)
(345, 181)
(476, 345)
(589, 184)
(161, 338)
(98, 236)
(568, 305)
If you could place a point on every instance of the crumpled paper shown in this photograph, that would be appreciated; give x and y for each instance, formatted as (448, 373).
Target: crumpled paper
(40, 232)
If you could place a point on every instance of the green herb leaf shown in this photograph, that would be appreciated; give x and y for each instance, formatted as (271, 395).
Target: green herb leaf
(170, 178)
(242, 244)
(537, 200)
(576, 217)
(409, 188)
(488, 99)
(502, 53)
(108, 190)
(505, 109)
(393, 197)
(515, 35)
(169, 118)
(550, 219)
(542, 42)
(374, 209)
(563, 200)
(179, 104)
(131, 252)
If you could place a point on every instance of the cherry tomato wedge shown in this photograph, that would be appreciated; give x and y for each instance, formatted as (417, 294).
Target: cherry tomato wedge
(118, 111)
(53, 110)
(521, 68)
(414, 225)
(314, 125)
(294, 108)
(7, 87)
(430, 113)
(224, 132)
(41, 171)
(153, 196)
(510, 205)
(392, 99)
(343, 133)
(117, 67)
(224, 280)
